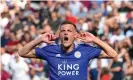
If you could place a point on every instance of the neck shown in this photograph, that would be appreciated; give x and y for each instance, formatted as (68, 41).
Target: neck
(69, 48)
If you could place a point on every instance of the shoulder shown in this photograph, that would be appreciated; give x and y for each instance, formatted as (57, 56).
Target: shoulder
(51, 47)
(85, 45)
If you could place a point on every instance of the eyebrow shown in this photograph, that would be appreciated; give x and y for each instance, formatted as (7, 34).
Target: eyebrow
(76, 30)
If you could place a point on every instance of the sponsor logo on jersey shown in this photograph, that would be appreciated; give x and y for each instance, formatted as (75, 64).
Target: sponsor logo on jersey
(68, 69)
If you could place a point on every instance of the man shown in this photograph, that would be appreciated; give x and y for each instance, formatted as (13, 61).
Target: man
(18, 67)
(67, 60)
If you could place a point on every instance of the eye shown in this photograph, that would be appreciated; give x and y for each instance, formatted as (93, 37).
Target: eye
(62, 30)
(69, 31)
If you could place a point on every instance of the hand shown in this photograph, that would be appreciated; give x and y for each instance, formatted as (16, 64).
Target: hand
(48, 38)
(86, 37)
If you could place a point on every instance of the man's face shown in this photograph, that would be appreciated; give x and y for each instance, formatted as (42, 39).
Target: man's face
(67, 33)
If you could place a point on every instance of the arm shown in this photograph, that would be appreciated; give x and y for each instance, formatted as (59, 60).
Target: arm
(29, 51)
(116, 69)
(107, 51)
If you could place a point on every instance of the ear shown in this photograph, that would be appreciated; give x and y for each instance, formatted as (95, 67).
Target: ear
(76, 35)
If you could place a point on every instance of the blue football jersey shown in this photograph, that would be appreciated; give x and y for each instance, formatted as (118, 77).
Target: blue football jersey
(68, 66)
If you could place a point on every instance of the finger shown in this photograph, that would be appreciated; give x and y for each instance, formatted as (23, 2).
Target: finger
(83, 40)
(54, 37)
(50, 36)
(50, 42)
(90, 34)
(77, 36)
(86, 33)
(83, 34)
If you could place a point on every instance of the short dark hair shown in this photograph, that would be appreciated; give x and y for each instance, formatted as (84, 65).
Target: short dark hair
(68, 22)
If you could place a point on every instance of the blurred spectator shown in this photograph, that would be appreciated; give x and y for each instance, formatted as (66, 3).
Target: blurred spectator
(93, 27)
(17, 24)
(4, 74)
(128, 29)
(43, 12)
(116, 69)
(4, 19)
(28, 9)
(128, 66)
(70, 17)
(36, 66)
(82, 25)
(47, 28)
(87, 4)
(95, 10)
(94, 69)
(11, 45)
(51, 5)
(105, 74)
(23, 21)
(33, 75)
(27, 37)
(5, 38)
(75, 7)
(107, 8)
(19, 68)
(33, 31)
(130, 46)
(54, 22)
(35, 18)
(63, 8)
(5, 58)
(82, 13)
(124, 7)
(118, 36)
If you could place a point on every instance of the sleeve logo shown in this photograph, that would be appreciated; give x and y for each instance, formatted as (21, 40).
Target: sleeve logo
(58, 55)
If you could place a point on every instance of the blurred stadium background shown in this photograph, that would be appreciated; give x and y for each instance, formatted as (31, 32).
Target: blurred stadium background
(22, 21)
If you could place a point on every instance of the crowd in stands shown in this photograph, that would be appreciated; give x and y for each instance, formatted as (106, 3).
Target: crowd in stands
(22, 21)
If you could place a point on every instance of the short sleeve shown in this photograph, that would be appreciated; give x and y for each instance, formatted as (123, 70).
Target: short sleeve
(93, 52)
(41, 53)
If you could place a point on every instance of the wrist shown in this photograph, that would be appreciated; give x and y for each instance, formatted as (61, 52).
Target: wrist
(95, 40)
(39, 39)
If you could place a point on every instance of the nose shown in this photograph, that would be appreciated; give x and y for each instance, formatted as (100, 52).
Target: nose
(66, 33)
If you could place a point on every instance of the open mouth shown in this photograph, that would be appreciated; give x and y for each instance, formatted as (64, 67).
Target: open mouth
(65, 38)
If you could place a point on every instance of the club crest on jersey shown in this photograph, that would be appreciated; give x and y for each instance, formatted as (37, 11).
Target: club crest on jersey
(64, 61)
(77, 54)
